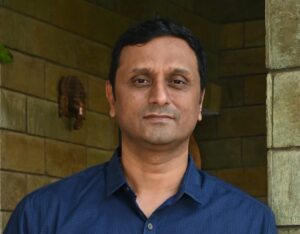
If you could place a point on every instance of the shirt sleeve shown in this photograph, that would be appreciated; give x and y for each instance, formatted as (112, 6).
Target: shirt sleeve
(18, 222)
(24, 219)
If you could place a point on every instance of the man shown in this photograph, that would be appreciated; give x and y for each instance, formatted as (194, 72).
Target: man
(151, 185)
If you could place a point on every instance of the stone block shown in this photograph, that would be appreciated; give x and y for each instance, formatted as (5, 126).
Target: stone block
(251, 180)
(35, 8)
(232, 92)
(230, 10)
(53, 43)
(34, 182)
(243, 121)
(286, 114)
(283, 34)
(212, 100)
(53, 74)
(288, 230)
(96, 95)
(102, 132)
(22, 152)
(90, 21)
(63, 159)
(213, 58)
(13, 189)
(256, 181)
(131, 8)
(217, 154)
(206, 129)
(254, 151)
(242, 62)
(43, 120)
(234, 176)
(284, 184)
(4, 216)
(231, 36)
(255, 33)
(25, 74)
(13, 110)
(96, 156)
(255, 90)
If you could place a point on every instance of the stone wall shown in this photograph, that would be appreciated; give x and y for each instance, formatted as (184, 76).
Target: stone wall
(224, 11)
(213, 10)
(283, 112)
(233, 144)
(51, 38)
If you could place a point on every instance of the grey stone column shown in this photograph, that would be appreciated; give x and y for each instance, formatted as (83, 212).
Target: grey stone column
(283, 111)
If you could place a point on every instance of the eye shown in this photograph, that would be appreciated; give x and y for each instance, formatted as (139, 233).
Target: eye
(178, 82)
(141, 81)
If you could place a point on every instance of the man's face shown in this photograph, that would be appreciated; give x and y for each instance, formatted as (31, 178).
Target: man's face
(157, 92)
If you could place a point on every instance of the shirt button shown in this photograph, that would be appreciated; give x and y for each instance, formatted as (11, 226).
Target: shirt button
(150, 226)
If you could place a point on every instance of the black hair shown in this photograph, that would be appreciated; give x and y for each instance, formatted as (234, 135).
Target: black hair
(150, 29)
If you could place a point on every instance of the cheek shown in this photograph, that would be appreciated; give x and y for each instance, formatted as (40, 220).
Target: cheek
(127, 107)
(192, 113)
(188, 105)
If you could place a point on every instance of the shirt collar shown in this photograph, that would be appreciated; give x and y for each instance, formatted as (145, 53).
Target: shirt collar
(115, 175)
(192, 183)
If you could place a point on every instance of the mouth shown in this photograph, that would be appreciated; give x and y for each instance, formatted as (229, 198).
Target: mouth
(158, 117)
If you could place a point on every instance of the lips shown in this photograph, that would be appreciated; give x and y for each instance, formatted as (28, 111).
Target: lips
(158, 117)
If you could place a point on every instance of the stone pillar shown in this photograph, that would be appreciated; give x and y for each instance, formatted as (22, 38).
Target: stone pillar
(283, 111)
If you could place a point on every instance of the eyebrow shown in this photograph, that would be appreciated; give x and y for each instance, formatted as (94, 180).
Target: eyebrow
(181, 71)
(149, 70)
(140, 70)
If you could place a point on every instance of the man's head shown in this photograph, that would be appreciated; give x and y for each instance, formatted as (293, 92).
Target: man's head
(148, 30)
(154, 89)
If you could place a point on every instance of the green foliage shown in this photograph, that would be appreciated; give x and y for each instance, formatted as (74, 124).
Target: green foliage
(5, 55)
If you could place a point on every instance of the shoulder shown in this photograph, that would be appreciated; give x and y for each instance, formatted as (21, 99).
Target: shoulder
(38, 209)
(232, 197)
(236, 207)
(72, 185)
(66, 193)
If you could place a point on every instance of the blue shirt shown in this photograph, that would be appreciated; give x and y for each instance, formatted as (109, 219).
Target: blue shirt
(98, 200)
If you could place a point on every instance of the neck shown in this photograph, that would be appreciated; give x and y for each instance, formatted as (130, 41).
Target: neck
(154, 175)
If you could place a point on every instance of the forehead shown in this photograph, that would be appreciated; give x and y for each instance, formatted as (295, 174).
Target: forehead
(163, 51)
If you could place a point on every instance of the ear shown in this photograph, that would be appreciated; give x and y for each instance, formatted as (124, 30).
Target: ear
(110, 98)
(200, 105)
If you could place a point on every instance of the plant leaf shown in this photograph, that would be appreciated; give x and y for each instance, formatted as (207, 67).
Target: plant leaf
(5, 55)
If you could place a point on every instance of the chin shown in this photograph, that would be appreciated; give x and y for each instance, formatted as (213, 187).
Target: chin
(159, 140)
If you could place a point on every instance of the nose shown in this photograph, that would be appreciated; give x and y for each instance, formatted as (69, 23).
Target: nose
(158, 94)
